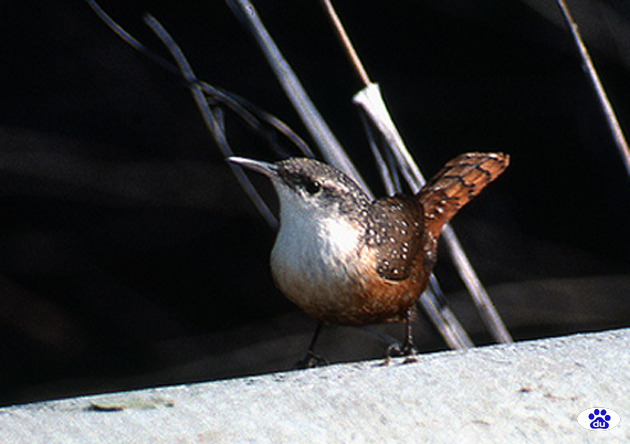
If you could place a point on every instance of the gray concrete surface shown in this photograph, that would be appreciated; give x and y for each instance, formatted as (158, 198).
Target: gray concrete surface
(527, 392)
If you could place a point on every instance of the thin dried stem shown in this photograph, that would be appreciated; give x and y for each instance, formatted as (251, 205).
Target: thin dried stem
(213, 123)
(371, 101)
(316, 125)
(589, 67)
(345, 41)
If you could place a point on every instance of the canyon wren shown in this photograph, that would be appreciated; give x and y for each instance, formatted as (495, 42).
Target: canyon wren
(345, 259)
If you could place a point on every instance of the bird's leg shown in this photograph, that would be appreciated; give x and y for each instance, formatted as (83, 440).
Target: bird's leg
(312, 360)
(408, 349)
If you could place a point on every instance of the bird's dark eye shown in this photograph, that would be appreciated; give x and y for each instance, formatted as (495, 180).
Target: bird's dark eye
(312, 187)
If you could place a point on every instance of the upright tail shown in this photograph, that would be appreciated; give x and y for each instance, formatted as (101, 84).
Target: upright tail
(456, 184)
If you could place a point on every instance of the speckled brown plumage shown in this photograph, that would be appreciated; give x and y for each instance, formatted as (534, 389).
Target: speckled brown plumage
(346, 260)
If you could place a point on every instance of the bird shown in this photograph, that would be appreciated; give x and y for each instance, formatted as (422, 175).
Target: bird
(346, 259)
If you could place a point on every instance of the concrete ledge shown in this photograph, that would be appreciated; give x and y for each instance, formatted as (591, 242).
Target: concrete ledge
(528, 392)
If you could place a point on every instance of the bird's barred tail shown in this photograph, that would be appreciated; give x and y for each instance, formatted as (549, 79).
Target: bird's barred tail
(456, 184)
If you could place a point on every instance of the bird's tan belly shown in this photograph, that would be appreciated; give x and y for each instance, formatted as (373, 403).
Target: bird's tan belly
(351, 297)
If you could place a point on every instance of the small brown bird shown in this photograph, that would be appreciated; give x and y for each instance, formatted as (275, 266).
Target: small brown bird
(347, 260)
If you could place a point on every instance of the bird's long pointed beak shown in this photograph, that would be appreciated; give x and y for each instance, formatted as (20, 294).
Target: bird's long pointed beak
(266, 168)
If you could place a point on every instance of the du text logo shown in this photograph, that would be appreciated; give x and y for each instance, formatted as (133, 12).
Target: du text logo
(599, 418)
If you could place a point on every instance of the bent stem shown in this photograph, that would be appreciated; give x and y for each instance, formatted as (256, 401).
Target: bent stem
(371, 102)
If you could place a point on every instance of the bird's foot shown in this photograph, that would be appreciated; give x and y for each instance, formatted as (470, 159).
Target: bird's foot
(311, 360)
(408, 350)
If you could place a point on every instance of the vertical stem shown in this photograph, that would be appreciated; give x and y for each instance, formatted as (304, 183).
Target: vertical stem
(345, 40)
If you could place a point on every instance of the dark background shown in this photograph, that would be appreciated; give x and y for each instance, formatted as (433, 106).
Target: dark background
(129, 257)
